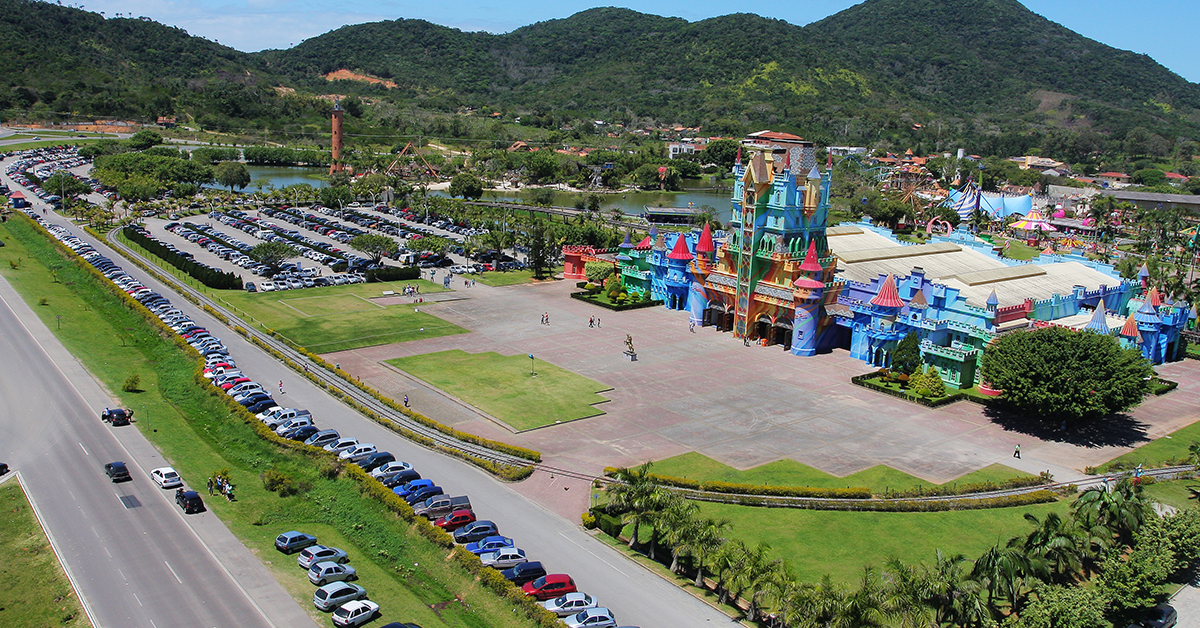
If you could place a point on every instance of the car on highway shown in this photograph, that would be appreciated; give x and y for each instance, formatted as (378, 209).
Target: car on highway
(355, 613)
(598, 617)
(489, 544)
(313, 554)
(294, 541)
(116, 416)
(335, 594)
(322, 438)
(325, 572)
(549, 586)
(344, 443)
(189, 501)
(166, 477)
(357, 452)
(117, 471)
(570, 604)
(475, 531)
(503, 558)
(525, 572)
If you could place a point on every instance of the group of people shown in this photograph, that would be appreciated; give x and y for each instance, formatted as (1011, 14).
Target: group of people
(221, 485)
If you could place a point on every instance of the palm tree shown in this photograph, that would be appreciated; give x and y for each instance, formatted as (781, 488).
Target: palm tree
(864, 608)
(636, 495)
(679, 524)
(1003, 573)
(706, 542)
(726, 564)
(755, 574)
(908, 594)
(793, 603)
(1121, 510)
(667, 509)
(1057, 542)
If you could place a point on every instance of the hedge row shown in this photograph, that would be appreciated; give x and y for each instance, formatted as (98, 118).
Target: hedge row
(583, 296)
(755, 489)
(975, 487)
(394, 273)
(203, 273)
(866, 382)
(888, 505)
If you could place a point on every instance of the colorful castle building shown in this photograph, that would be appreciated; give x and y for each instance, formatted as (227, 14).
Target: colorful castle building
(781, 277)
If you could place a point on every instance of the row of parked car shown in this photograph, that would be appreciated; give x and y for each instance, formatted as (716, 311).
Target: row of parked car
(117, 471)
(43, 162)
(316, 250)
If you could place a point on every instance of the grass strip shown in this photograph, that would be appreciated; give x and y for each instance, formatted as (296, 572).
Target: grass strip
(199, 432)
(41, 594)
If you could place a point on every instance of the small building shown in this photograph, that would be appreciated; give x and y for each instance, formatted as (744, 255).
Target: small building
(1154, 200)
(18, 200)
(1112, 177)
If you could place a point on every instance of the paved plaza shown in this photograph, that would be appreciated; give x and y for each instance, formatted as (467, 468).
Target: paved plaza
(743, 406)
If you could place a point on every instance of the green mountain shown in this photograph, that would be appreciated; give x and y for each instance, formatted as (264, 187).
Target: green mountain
(987, 73)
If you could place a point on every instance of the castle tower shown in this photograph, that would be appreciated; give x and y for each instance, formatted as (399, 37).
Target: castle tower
(704, 249)
(808, 293)
(336, 164)
(1148, 324)
(678, 280)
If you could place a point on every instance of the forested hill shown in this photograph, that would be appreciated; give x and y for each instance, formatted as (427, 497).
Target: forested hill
(975, 63)
(971, 69)
(55, 58)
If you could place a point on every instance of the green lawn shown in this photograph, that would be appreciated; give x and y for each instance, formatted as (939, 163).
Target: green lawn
(1018, 249)
(337, 318)
(503, 387)
(1170, 450)
(497, 278)
(788, 472)
(1177, 493)
(818, 542)
(197, 435)
(39, 593)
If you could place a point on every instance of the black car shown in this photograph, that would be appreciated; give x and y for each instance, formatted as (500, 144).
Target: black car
(376, 460)
(256, 398)
(262, 406)
(189, 501)
(401, 478)
(117, 471)
(525, 572)
(301, 433)
(476, 531)
(116, 416)
(423, 494)
(3, 468)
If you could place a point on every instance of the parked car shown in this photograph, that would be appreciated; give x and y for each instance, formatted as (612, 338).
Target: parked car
(399, 478)
(525, 572)
(422, 494)
(455, 520)
(342, 444)
(322, 438)
(489, 544)
(166, 477)
(598, 617)
(294, 541)
(411, 487)
(376, 460)
(503, 558)
(440, 504)
(358, 452)
(3, 468)
(355, 613)
(328, 571)
(475, 531)
(570, 604)
(189, 501)
(392, 466)
(117, 471)
(1162, 616)
(116, 416)
(336, 594)
(301, 433)
(313, 554)
(550, 586)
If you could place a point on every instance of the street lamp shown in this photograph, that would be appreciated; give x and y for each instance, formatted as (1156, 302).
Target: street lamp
(531, 373)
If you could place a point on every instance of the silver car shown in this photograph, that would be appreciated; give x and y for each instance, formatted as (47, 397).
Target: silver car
(570, 604)
(345, 443)
(319, 554)
(326, 572)
(503, 558)
(335, 594)
(598, 617)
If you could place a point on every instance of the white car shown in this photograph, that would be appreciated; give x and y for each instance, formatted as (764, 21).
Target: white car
(570, 604)
(166, 477)
(342, 444)
(355, 613)
(358, 452)
(395, 466)
(503, 558)
(598, 617)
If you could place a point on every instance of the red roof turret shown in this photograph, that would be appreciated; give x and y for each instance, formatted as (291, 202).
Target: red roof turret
(705, 244)
(1130, 329)
(680, 251)
(1154, 297)
(888, 295)
(811, 265)
(644, 244)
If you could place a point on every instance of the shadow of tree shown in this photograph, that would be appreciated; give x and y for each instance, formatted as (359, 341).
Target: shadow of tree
(1114, 430)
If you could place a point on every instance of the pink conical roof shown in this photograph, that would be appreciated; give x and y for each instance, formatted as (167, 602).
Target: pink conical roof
(1130, 329)
(888, 295)
(644, 244)
(1154, 297)
(705, 244)
(681, 250)
(811, 265)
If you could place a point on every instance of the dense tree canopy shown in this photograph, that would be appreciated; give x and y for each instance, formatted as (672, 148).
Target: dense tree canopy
(374, 245)
(1062, 374)
(273, 254)
(232, 174)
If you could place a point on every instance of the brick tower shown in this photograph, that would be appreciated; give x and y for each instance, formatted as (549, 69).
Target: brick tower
(336, 164)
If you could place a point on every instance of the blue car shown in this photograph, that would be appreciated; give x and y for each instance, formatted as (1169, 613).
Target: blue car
(489, 544)
(412, 485)
(422, 494)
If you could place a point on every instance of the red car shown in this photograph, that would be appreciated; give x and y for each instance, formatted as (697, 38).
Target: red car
(233, 382)
(455, 520)
(550, 586)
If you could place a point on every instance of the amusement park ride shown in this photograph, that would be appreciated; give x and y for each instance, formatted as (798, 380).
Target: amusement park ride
(409, 168)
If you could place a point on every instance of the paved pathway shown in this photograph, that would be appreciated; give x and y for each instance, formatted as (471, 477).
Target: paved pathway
(743, 406)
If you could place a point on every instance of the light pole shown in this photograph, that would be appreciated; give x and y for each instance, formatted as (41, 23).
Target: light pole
(531, 373)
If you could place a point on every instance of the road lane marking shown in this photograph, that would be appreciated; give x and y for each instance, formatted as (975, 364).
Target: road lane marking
(139, 600)
(108, 552)
(95, 532)
(72, 494)
(173, 572)
(122, 574)
(85, 452)
(598, 557)
(87, 608)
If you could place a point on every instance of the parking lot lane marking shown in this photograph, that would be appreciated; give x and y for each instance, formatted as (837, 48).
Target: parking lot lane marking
(84, 450)
(173, 572)
(72, 495)
(599, 557)
(95, 532)
(152, 622)
(122, 575)
(139, 600)
(108, 552)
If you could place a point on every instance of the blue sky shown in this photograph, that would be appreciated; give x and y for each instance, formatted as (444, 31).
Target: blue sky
(1162, 29)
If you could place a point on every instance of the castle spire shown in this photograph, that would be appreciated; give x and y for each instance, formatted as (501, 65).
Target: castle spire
(680, 251)
(888, 295)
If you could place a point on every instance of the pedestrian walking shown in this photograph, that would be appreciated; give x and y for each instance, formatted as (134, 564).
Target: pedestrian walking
(692, 326)
(592, 322)
(210, 487)
(405, 401)
(281, 386)
(1017, 452)
(597, 321)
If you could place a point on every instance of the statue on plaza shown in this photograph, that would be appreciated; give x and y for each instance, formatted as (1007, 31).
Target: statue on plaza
(629, 344)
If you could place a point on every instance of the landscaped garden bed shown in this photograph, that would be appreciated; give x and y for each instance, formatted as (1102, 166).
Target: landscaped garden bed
(601, 299)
